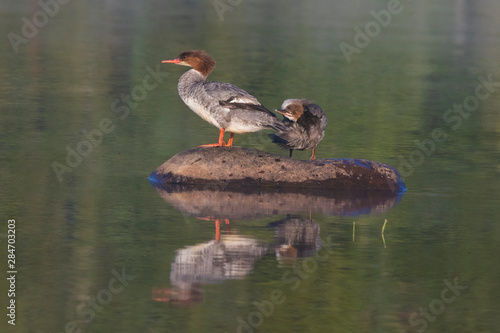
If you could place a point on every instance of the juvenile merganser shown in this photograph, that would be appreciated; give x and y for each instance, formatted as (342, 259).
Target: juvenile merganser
(221, 104)
(305, 122)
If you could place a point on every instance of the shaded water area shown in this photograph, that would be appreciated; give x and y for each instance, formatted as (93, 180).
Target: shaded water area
(88, 111)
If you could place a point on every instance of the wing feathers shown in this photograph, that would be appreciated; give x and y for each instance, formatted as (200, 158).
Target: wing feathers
(232, 97)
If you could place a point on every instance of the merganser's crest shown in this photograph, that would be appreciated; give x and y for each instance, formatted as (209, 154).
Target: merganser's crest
(199, 60)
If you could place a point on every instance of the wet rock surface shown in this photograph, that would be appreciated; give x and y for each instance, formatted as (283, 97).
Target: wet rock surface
(238, 167)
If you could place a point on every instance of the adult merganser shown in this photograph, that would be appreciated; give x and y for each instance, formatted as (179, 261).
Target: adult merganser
(306, 123)
(221, 104)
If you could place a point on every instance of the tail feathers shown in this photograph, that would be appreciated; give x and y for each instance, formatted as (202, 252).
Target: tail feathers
(292, 138)
(282, 139)
(278, 125)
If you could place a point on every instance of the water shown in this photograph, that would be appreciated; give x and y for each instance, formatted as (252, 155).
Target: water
(99, 250)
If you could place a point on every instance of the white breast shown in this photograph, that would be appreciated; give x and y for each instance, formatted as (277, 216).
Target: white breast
(201, 111)
(243, 127)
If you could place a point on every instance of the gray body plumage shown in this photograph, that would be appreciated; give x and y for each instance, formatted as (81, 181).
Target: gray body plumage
(225, 105)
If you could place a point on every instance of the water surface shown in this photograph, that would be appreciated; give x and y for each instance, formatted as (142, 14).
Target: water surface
(99, 250)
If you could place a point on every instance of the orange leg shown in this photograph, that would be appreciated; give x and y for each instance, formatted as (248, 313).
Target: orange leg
(217, 225)
(230, 142)
(217, 229)
(221, 142)
(161, 294)
(313, 157)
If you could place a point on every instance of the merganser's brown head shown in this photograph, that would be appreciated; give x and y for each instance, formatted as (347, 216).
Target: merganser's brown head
(198, 59)
(293, 109)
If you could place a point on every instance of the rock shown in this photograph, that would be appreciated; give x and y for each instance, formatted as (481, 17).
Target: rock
(238, 167)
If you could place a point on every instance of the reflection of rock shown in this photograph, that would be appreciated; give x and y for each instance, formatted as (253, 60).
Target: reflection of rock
(236, 167)
(231, 257)
(296, 238)
(248, 205)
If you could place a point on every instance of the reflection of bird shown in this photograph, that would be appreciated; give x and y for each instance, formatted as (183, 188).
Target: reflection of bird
(231, 257)
(221, 104)
(296, 237)
(306, 123)
(186, 295)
